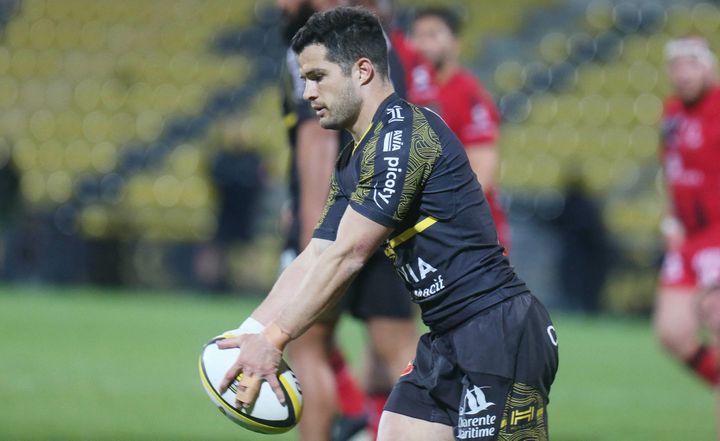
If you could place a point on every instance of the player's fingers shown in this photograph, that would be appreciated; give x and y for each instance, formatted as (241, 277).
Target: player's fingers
(229, 377)
(275, 385)
(249, 390)
(227, 343)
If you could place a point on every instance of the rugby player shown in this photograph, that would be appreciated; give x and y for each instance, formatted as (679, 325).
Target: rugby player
(691, 160)
(378, 296)
(439, 81)
(485, 368)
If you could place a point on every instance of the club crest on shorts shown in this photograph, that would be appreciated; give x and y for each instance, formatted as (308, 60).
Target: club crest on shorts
(472, 423)
(474, 401)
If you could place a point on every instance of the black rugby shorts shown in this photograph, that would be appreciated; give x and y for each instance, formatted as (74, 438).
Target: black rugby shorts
(489, 378)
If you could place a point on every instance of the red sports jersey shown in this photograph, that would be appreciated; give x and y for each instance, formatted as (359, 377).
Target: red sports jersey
(691, 160)
(696, 264)
(419, 73)
(464, 105)
(471, 114)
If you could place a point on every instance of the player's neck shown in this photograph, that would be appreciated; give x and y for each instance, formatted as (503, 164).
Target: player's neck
(446, 71)
(368, 109)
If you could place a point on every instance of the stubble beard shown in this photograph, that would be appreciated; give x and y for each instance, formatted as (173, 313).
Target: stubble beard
(345, 111)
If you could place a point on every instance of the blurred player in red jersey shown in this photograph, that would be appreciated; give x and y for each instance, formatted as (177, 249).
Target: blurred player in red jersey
(691, 160)
(443, 85)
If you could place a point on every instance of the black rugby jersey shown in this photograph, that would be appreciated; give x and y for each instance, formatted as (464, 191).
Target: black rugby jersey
(411, 173)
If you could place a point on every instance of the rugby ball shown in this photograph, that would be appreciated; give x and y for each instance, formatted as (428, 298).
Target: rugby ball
(266, 415)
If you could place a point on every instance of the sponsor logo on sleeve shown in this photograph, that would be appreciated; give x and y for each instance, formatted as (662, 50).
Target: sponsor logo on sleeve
(393, 141)
(388, 185)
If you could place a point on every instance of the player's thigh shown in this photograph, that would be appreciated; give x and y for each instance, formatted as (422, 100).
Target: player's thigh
(391, 349)
(393, 341)
(397, 427)
(709, 308)
(676, 319)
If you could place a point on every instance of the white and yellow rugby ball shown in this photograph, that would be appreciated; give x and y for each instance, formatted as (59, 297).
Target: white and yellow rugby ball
(267, 415)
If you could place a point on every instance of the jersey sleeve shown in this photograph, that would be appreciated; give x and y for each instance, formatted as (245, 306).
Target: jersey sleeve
(334, 209)
(482, 119)
(394, 167)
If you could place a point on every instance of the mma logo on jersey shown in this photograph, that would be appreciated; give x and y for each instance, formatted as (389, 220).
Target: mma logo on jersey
(420, 272)
(393, 141)
(473, 403)
(389, 182)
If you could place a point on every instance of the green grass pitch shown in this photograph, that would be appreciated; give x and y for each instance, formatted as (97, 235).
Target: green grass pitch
(87, 365)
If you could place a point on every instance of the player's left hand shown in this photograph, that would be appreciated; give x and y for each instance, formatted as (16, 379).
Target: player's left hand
(258, 360)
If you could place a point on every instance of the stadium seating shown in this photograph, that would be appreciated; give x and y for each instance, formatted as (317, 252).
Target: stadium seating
(602, 117)
(87, 85)
(113, 110)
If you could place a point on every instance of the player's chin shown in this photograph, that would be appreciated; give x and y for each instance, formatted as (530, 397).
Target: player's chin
(330, 124)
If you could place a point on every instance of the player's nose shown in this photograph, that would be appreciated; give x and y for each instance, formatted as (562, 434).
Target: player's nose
(310, 92)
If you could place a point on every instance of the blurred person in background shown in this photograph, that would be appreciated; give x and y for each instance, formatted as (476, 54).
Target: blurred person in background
(584, 246)
(377, 296)
(9, 198)
(239, 177)
(691, 161)
(438, 81)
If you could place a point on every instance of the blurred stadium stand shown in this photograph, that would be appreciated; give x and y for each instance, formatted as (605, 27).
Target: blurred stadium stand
(112, 114)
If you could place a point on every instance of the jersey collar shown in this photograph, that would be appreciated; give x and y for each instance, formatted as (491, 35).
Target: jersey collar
(376, 118)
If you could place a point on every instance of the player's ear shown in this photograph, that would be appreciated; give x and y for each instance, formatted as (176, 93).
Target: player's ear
(363, 71)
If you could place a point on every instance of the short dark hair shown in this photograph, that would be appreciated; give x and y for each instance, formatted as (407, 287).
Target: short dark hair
(448, 16)
(348, 34)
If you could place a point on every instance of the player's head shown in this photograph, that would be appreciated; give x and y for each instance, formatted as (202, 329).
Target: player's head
(435, 33)
(691, 67)
(340, 52)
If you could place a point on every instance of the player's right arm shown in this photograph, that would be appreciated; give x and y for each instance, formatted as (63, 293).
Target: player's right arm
(288, 282)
